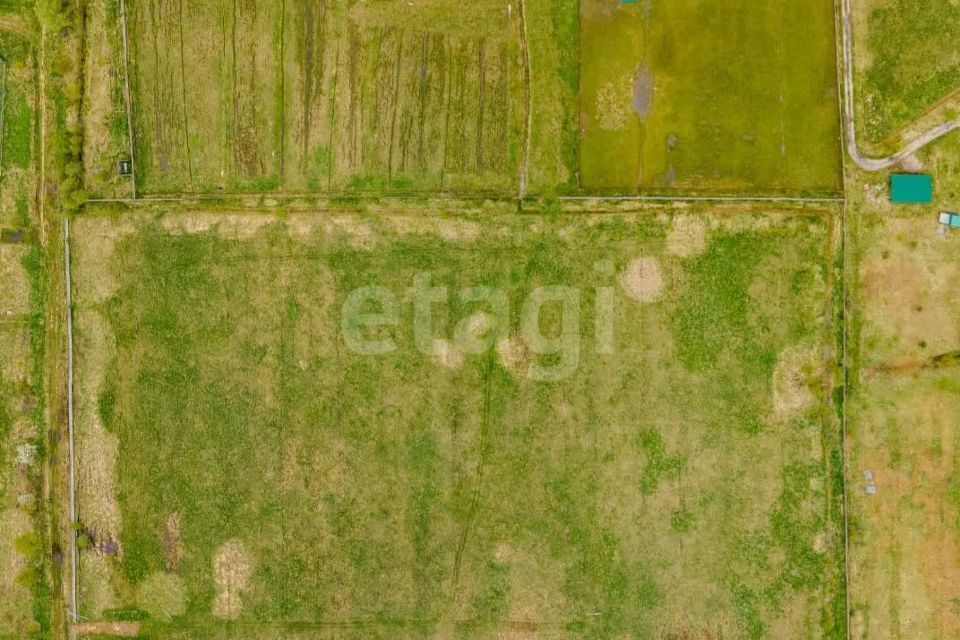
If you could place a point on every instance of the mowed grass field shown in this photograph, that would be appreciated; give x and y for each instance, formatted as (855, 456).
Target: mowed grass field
(907, 63)
(244, 473)
(333, 95)
(690, 96)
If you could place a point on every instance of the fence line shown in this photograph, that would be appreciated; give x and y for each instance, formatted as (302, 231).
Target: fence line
(70, 440)
(126, 97)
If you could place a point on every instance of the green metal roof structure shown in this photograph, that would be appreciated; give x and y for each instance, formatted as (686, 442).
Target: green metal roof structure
(911, 188)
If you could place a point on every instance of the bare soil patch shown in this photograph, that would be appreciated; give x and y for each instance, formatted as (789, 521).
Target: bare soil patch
(447, 354)
(795, 373)
(515, 356)
(120, 629)
(231, 573)
(642, 280)
(172, 543)
(613, 104)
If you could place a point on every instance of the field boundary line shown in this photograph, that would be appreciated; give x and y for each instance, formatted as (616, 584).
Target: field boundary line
(442, 196)
(42, 109)
(528, 103)
(3, 107)
(844, 371)
(70, 439)
(126, 97)
(706, 198)
(846, 61)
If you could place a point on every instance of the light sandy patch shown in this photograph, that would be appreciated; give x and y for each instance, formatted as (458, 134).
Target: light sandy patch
(290, 466)
(687, 236)
(480, 324)
(447, 353)
(409, 225)
(910, 295)
(240, 226)
(122, 629)
(911, 164)
(796, 372)
(231, 574)
(454, 230)
(15, 349)
(821, 543)
(96, 448)
(473, 333)
(515, 356)
(92, 246)
(876, 195)
(162, 595)
(301, 227)
(684, 628)
(171, 541)
(360, 233)
(613, 104)
(642, 280)
(14, 285)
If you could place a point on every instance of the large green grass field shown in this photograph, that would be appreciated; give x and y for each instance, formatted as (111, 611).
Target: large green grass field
(662, 462)
(691, 96)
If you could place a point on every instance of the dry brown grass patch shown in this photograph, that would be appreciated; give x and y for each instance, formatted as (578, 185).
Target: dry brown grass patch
(231, 573)
(447, 353)
(515, 356)
(613, 104)
(172, 542)
(796, 372)
(642, 280)
(687, 236)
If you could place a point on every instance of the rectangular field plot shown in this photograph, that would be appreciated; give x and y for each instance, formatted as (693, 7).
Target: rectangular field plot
(245, 470)
(332, 95)
(717, 97)
(904, 470)
(908, 66)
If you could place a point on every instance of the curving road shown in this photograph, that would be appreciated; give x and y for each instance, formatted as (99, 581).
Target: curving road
(864, 162)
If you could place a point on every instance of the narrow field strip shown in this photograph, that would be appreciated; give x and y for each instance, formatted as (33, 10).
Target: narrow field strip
(74, 612)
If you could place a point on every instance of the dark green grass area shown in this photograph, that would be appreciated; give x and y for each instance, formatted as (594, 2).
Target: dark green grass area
(649, 493)
(741, 97)
(17, 125)
(914, 62)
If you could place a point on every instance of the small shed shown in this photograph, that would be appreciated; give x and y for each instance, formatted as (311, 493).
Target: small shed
(125, 167)
(911, 188)
(950, 219)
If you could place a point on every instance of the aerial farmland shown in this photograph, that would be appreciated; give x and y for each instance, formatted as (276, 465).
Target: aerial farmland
(499, 319)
